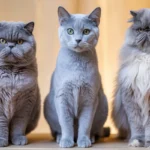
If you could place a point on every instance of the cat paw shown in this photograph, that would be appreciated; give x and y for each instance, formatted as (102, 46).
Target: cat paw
(84, 142)
(19, 140)
(58, 138)
(136, 143)
(64, 143)
(3, 142)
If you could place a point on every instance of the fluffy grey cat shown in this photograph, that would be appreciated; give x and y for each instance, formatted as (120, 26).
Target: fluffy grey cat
(19, 93)
(131, 108)
(76, 107)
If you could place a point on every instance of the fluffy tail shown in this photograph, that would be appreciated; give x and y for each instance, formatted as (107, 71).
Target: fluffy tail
(119, 116)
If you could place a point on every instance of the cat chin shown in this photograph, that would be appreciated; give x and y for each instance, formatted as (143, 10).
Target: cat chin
(78, 50)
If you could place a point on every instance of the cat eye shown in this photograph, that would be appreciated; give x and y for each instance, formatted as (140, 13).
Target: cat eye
(86, 31)
(3, 41)
(147, 29)
(70, 31)
(140, 29)
(20, 41)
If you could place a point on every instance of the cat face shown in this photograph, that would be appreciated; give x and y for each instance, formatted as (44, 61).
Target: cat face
(139, 33)
(17, 44)
(79, 32)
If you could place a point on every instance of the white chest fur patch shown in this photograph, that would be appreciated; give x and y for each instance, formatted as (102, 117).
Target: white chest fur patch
(136, 75)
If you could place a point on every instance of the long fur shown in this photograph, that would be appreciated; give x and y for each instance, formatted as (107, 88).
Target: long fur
(131, 99)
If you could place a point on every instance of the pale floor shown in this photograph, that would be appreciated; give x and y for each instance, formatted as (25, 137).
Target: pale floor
(43, 141)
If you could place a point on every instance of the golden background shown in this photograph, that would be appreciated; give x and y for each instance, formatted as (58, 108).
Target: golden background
(115, 14)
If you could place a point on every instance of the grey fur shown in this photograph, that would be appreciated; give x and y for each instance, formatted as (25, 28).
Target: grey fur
(19, 93)
(131, 100)
(76, 107)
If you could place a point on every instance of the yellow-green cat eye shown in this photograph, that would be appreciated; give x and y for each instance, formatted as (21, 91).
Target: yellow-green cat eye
(70, 31)
(86, 31)
(3, 41)
(20, 41)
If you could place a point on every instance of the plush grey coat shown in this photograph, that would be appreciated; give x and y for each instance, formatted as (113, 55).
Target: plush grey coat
(76, 107)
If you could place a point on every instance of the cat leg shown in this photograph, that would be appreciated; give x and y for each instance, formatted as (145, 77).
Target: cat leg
(18, 129)
(100, 118)
(65, 118)
(134, 117)
(34, 116)
(86, 117)
(4, 132)
(119, 115)
(51, 116)
(21, 120)
(136, 127)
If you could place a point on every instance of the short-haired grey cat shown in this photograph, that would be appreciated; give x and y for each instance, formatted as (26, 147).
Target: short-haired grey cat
(76, 107)
(19, 93)
(131, 108)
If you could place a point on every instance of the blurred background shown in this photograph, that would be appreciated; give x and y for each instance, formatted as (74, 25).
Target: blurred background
(115, 14)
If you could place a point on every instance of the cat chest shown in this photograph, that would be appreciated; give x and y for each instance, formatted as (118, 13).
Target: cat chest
(11, 88)
(77, 96)
(137, 76)
(16, 82)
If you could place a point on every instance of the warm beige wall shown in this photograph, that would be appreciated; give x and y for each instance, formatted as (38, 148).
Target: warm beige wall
(115, 14)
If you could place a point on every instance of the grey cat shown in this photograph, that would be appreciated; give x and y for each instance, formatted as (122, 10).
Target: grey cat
(76, 107)
(19, 93)
(131, 107)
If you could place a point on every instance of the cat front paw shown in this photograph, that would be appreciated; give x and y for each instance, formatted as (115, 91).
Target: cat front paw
(19, 140)
(66, 143)
(136, 143)
(3, 142)
(84, 142)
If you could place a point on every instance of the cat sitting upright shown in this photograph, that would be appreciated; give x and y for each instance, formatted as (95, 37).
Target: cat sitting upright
(19, 93)
(76, 107)
(131, 105)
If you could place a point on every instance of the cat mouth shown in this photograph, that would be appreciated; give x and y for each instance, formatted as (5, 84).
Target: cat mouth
(77, 46)
(10, 54)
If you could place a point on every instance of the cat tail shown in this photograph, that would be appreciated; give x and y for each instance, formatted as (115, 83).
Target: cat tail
(119, 116)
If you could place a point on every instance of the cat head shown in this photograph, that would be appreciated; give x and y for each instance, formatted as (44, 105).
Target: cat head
(17, 44)
(79, 32)
(139, 33)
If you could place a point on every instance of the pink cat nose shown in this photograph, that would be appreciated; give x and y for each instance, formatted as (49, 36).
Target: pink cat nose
(78, 41)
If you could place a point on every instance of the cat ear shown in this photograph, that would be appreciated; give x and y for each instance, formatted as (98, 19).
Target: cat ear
(29, 27)
(95, 15)
(63, 15)
(134, 14)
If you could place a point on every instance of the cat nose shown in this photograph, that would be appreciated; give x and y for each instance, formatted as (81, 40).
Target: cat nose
(11, 46)
(78, 41)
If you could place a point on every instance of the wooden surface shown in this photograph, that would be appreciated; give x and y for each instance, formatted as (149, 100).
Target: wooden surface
(44, 141)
